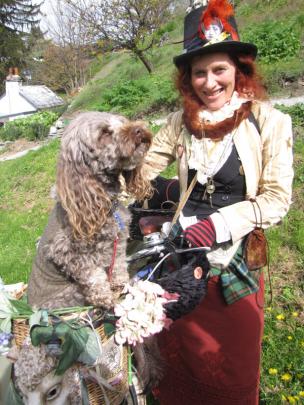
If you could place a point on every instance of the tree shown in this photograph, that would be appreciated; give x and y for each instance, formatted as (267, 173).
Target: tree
(62, 68)
(67, 55)
(36, 45)
(128, 24)
(16, 16)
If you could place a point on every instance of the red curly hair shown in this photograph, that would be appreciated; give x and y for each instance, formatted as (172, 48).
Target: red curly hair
(248, 83)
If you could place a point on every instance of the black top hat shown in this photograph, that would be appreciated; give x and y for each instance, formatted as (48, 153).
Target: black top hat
(210, 29)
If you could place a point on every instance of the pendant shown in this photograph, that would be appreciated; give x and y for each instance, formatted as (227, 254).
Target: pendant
(210, 189)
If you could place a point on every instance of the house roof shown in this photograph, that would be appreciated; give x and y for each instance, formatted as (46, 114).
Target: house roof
(40, 96)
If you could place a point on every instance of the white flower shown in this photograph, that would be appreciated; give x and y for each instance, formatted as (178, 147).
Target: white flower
(141, 313)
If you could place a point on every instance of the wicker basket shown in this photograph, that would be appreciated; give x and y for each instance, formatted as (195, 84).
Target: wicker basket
(96, 396)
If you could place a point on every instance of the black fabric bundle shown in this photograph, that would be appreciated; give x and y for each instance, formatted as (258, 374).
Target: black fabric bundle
(186, 282)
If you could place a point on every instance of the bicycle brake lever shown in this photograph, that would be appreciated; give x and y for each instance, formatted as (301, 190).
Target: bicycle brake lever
(146, 253)
(194, 249)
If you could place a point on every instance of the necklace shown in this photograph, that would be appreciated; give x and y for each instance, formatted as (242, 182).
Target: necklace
(209, 185)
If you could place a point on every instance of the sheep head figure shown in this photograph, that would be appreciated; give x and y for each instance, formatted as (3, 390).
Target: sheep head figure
(36, 381)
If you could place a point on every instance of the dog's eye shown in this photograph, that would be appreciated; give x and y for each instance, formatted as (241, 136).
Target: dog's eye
(53, 392)
(105, 131)
(105, 134)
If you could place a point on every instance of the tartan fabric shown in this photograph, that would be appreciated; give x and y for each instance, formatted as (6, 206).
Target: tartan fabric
(236, 280)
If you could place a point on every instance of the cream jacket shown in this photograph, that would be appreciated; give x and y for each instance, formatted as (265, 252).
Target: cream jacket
(266, 158)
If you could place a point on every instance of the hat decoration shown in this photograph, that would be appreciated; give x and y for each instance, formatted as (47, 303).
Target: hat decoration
(211, 27)
(196, 4)
(214, 25)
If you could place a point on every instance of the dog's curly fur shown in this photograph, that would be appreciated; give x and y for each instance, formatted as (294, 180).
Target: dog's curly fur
(77, 249)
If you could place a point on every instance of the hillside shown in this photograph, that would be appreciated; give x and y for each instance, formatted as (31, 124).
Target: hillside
(123, 84)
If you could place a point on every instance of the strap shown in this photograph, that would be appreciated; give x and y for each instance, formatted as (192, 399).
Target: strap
(183, 200)
(177, 120)
(257, 225)
(253, 200)
(254, 121)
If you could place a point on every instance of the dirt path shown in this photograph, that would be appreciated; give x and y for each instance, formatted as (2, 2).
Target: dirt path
(288, 101)
(19, 148)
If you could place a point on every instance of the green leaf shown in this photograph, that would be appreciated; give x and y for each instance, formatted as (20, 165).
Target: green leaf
(74, 342)
(109, 328)
(41, 334)
(21, 307)
(39, 318)
(6, 324)
(92, 349)
(6, 308)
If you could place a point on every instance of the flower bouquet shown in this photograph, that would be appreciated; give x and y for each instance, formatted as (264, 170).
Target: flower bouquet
(141, 312)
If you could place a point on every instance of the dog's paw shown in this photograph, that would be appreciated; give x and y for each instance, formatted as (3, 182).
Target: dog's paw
(104, 300)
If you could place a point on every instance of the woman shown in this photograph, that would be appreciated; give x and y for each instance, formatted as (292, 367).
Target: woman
(240, 150)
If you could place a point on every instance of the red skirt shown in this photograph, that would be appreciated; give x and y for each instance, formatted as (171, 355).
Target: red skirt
(212, 355)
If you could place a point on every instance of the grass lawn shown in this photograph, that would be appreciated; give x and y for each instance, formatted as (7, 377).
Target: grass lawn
(25, 202)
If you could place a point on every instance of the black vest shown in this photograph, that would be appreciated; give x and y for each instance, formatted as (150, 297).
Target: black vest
(230, 188)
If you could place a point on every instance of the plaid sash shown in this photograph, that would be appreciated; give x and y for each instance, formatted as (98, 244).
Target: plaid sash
(237, 281)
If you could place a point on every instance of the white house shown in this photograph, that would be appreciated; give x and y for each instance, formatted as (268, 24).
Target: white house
(19, 100)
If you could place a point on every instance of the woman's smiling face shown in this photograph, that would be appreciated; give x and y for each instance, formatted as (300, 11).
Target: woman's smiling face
(213, 79)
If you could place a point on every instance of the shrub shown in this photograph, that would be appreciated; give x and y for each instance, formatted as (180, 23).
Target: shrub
(35, 126)
(126, 93)
(131, 96)
(275, 40)
(169, 27)
(296, 112)
(165, 94)
(10, 132)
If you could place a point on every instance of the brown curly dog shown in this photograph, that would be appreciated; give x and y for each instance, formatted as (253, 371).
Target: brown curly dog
(81, 258)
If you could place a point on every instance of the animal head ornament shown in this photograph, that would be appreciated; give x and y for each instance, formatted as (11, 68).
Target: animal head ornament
(36, 381)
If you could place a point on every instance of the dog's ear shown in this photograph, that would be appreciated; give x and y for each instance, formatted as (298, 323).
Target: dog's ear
(137, 183)
(82, 197)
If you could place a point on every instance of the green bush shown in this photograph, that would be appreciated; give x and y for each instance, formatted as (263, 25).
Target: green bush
(126, 93)
(275, 40)
(165, 94)
(10, 132)
(295, 111)
(35, 126)
(125, 97)
(169, 27)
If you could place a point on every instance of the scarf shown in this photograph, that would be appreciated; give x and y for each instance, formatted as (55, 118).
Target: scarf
(216, 124)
